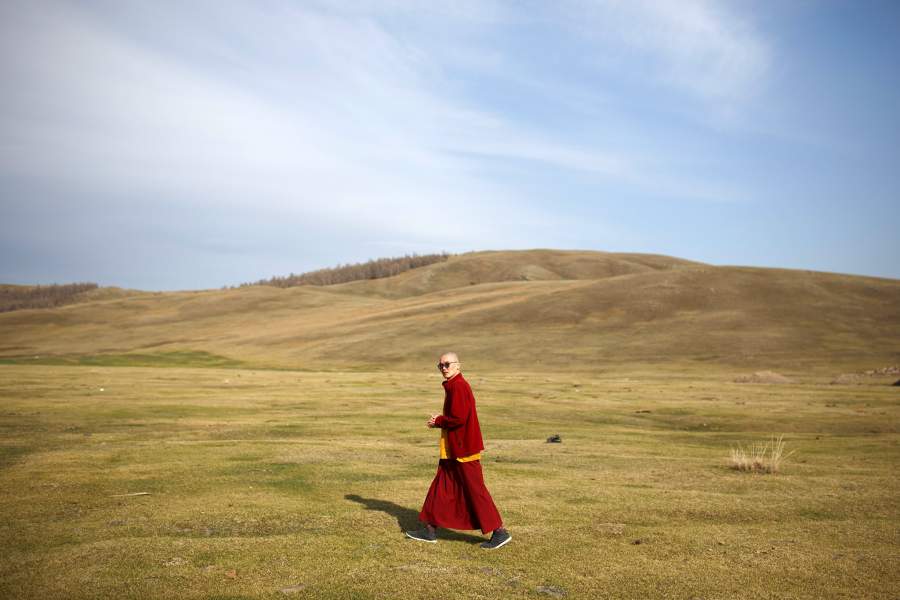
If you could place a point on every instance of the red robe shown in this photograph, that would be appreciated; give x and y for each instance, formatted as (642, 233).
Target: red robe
(458, 498)
(460, 418)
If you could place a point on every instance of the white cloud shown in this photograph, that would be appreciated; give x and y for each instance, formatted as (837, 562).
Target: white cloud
(701, 47)
(328, 116)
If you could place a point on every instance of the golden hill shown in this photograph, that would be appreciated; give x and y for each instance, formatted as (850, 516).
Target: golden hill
(526, 265)
(509, 310)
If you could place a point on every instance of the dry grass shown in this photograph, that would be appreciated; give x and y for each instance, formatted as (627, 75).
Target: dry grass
(581, 309)
(257, 484)
(760, 457)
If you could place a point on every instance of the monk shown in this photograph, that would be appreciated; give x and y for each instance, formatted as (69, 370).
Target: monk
(458, 498)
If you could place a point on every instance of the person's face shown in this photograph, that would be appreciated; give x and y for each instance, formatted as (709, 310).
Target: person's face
(449, 366)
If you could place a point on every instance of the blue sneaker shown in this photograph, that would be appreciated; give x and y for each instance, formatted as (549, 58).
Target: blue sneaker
(423, 535)
(498, 538)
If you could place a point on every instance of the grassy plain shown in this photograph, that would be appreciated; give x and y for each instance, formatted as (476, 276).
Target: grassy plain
(280, 483)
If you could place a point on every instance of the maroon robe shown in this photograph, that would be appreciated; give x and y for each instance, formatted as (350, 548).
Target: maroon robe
(458, 498)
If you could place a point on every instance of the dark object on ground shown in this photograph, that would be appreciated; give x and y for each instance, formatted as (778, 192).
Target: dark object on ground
(498, 538)
(896, 383)
(423, 535)
(554, 439)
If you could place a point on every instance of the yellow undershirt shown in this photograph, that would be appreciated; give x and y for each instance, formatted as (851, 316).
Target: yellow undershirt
(444, 454)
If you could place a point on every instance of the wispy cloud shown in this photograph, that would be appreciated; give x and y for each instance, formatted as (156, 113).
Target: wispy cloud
(389, 115)
(329, 116)
(702, 47)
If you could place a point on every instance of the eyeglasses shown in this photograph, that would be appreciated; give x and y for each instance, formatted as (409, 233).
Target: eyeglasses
(446, 365)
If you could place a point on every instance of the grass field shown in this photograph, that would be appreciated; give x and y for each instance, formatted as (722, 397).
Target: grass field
(277, 484)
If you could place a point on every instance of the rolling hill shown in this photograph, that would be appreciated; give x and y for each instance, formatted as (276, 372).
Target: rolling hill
(532, 309)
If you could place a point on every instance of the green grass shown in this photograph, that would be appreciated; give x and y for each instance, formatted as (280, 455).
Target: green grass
(261, 481)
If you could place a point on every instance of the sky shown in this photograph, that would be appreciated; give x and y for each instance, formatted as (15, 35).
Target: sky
(189, 145)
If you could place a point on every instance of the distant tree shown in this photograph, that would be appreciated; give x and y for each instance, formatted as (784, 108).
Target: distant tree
(18, 297)
(373, 269)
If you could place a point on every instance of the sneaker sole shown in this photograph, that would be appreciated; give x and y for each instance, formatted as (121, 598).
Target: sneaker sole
(412, 537)
(500, 545)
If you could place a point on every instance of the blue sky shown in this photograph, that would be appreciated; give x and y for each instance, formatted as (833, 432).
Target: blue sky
(187, 145)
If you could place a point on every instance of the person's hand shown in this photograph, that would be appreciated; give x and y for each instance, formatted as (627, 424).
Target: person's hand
(432, 422)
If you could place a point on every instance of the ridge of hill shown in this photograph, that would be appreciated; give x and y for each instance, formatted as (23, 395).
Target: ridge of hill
(544, 309)
(475, 268)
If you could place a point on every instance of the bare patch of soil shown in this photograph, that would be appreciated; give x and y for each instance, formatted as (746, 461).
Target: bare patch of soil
(863, 376)
(763, 377)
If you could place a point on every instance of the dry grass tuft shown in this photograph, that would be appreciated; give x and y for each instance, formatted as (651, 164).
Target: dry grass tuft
(760, 457)
(763, 377)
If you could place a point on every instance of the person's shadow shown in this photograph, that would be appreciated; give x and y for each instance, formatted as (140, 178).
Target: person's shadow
(408, 519)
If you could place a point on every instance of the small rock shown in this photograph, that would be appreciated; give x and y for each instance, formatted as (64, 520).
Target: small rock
(551, 590)
(554, 439)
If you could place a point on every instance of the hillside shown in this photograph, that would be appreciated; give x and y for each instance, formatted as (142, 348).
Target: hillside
(527, 265)
(508, 310)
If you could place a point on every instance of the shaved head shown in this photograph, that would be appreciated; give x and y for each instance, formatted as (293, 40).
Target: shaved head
(449, 364)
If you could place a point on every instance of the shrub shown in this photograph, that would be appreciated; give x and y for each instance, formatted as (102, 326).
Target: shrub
(373, 269)
(19, 297)
(760, 457)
